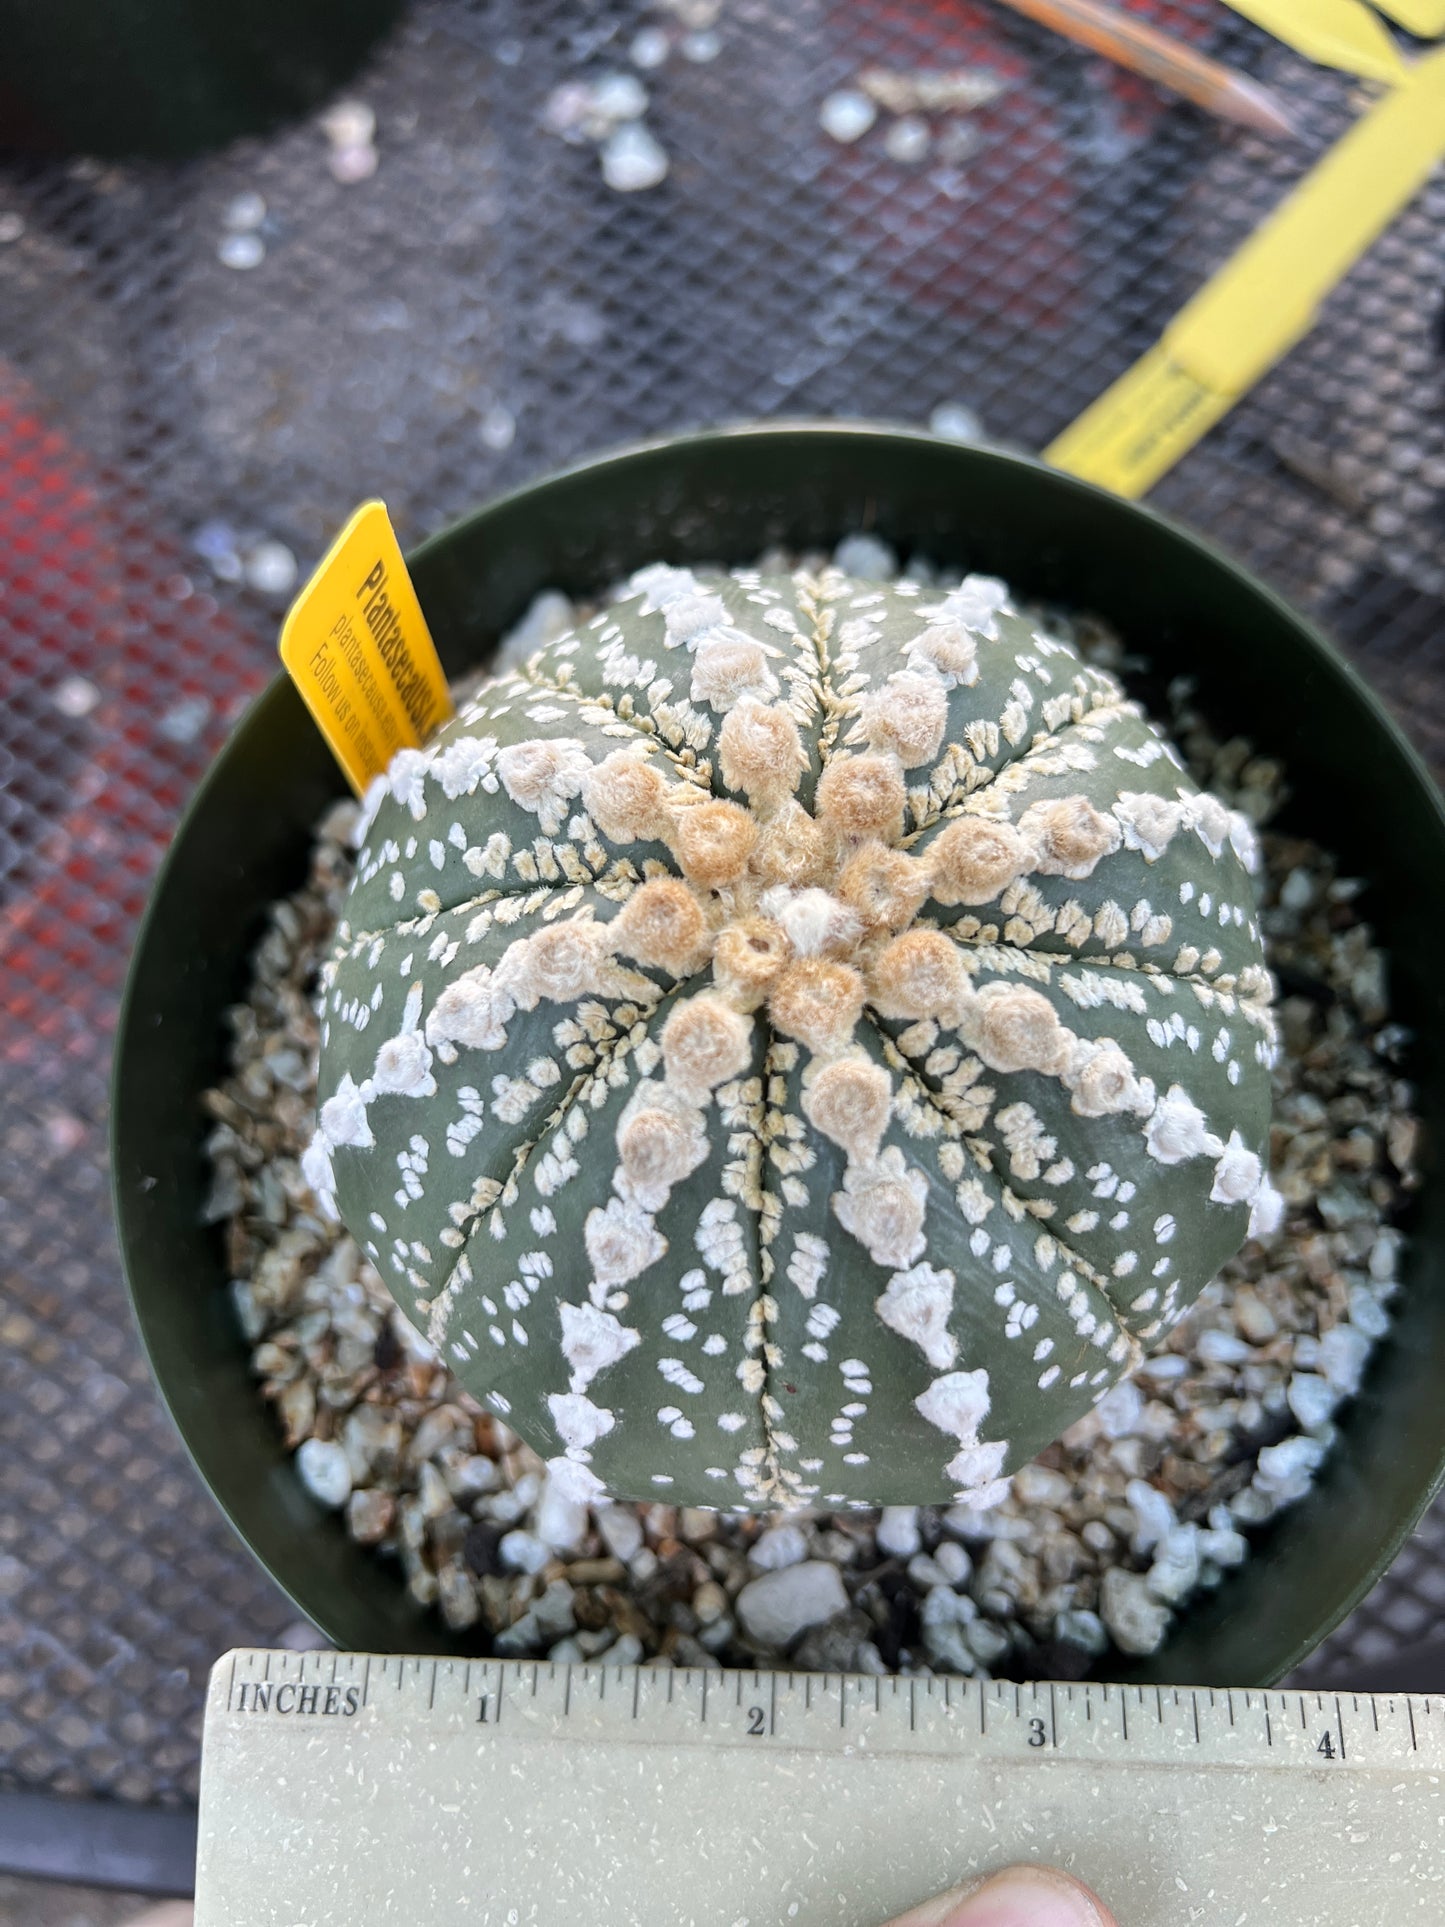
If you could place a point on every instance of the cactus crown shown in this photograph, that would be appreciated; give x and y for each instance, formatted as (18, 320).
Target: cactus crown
(823, 1038)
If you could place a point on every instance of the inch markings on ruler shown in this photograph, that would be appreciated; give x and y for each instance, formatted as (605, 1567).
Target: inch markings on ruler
(338, 1788)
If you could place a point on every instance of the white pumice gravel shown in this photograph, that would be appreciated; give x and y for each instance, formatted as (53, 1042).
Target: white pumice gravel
(775, 1608)
(847, 115)
(1102, 1542)
(779, 1546)
(633, 160)
(897, 1534)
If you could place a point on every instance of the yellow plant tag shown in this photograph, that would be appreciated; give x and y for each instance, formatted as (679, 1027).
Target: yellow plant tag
(1426, 18)
(1335, 33)
(1265, 298)
(1138, 429)
(357, 647)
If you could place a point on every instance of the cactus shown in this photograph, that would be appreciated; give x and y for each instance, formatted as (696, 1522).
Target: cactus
(796, 1041)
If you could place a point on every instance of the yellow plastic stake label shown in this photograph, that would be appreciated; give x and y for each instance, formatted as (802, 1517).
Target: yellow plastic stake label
(1423, 17)
(1137, 430)
(1261, 303)
(357, 646)
(1335, 33)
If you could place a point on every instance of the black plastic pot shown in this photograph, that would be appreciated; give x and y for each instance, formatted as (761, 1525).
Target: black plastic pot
(165, 78)
(1263, 671)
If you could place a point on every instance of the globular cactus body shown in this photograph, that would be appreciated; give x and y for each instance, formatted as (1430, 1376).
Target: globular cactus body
(796, 1041)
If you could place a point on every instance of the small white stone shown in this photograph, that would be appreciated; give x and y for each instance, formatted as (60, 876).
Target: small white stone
(1078, 1627)
(271, 568)
(349, 123)
(1223, 1545)
(1289, 1464)
(1175, 1571)
(1164, 1366)
(1254, 1317)
(782, 1546)
(241, 251)
(1311, 1399)
(925, 1572)
(1038, 1485)
(245, 211)
(1221, 1348)
(1385, 1256)
(953, 1562)
(523, 1552)
(433, 1492)
(352, 164)
(1153, 1512)
(701, 47)
(1367, 1314)
(559, 1522)
(709, 1602)
(621, 1532)
(1132, 1614)
(1254, 1505)
(955, 421)
(908, 140)
(942, 1606)
(847, 115)
(75, 697)
(649, 49)
(632, 160)
(619, 97)
(554, 1611)
(324, 1471)
(966, 1522)
(471, 1476)
(777, 1607)
(1120, 1410)
(898, 1535)
(499, 427)
(867, 557)
(12, 226)
(947, 1617)
(986, 1641)
(1343, 1352)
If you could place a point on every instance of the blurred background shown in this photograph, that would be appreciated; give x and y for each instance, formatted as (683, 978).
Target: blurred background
(428, 252)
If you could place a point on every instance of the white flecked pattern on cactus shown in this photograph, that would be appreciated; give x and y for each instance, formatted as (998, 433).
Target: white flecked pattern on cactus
(796, 1041)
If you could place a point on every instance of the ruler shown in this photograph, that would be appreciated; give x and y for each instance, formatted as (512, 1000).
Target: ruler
(339, 1789)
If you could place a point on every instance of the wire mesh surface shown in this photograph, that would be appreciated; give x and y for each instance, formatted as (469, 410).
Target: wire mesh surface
(480, 308)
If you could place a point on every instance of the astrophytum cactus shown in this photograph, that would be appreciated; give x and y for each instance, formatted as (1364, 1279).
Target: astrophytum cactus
(796, 1041)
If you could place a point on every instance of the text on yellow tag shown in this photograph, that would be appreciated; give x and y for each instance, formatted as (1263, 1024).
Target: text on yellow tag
(357, 646)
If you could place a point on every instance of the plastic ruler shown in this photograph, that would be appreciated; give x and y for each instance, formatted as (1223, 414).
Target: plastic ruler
(341, 1788)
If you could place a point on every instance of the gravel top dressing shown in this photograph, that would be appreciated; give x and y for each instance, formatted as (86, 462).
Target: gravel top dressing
(1096, 1543)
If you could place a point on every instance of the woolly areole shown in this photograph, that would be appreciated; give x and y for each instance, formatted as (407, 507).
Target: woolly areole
(796, 1041)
